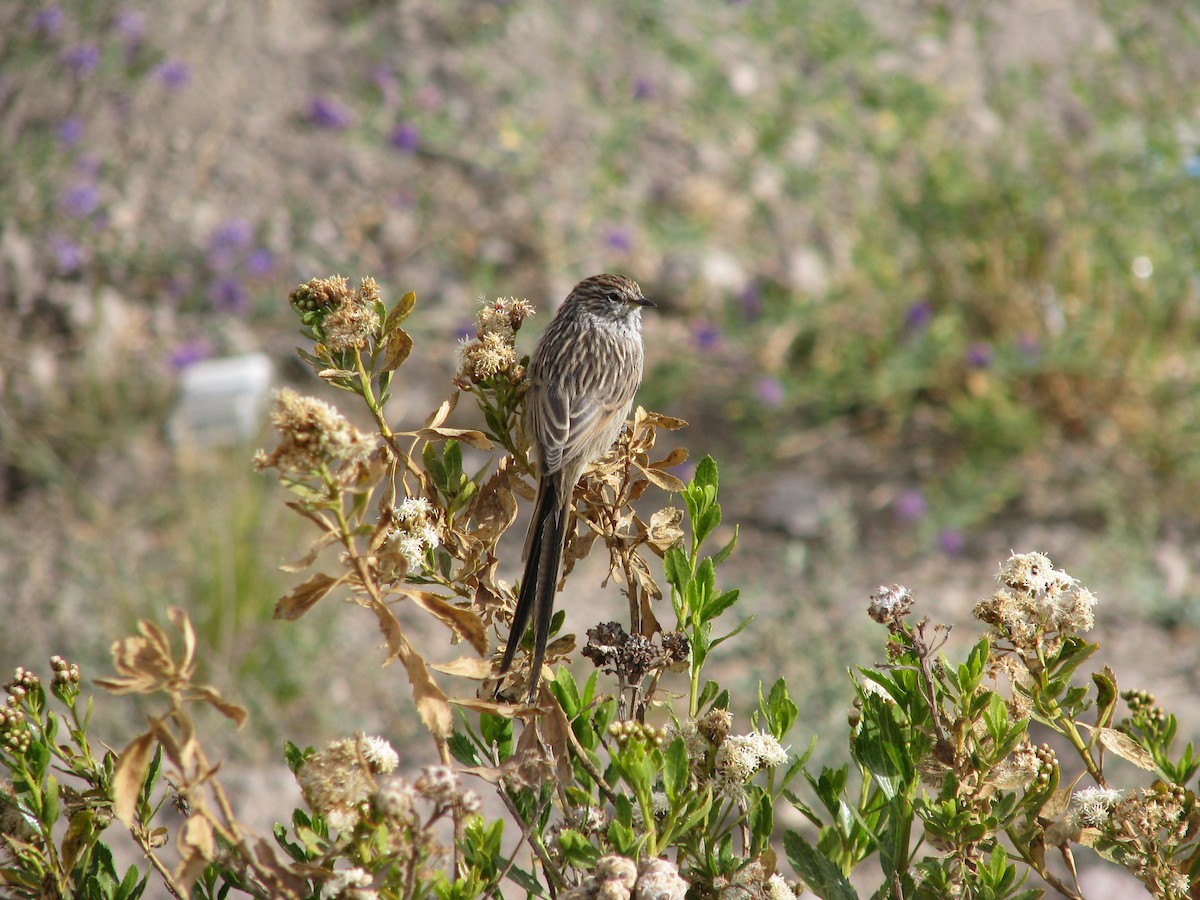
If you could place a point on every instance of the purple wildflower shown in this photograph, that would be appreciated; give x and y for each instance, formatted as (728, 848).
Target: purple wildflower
(189, 352)
(260, 262)
(769, 392)
(173, 74)
(910, 506)
(618, 239)
(951, 541)
(227, 294)
(226, 243)
(48, 21)
(707, 336)
(643, 88)
(70, 130)
(918, 316)
(81, 59)
(405, 138)
(327, 112)
(979, 355)
(80, 199)
(68, 255)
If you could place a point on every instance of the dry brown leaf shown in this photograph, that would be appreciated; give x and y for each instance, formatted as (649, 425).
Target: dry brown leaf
(472, 438)
(492, 707)
(400, 311)
(128, 777)
(399, 345)
(442, 413)
(642, 418)
(389, 627)
(676, 457)
(228, 709)
(494, 507)
(664, 531)
(462, 622)
(555, 730)
(465, 667)
(314, 550)
(305, 596)
(1057, 804)
(432, 705)
(1127, 748)
(196, 850)
(664, 480)
(144, 663)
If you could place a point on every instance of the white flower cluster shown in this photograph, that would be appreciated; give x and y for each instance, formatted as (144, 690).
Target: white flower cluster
(415, 532)
(740, 756)
(1036, 600)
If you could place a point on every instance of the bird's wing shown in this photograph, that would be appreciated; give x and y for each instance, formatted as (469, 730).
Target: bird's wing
(573, 427)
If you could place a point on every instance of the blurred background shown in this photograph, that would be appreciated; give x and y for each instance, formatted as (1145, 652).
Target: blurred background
(927, 276)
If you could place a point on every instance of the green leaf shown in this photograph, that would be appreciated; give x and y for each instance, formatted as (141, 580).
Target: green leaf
(567, 692)
(706, 474)
(452, 457)
(434, 466)
(819, 872)
(710, 690)
(37, 757)
(675, 770)
(50, 805)
(761, 817)
(677, 569)
(294, 756)
(720, 603)
(779, 710)
(462, 749)
(741, 626)
(577, 850)
(498, 731)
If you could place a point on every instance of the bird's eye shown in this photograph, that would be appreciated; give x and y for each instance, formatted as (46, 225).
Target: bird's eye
(613, 297)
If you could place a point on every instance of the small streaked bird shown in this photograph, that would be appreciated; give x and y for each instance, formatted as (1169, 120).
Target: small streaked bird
(582, 378)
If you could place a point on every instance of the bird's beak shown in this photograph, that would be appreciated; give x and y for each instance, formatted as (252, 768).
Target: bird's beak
(642, 301)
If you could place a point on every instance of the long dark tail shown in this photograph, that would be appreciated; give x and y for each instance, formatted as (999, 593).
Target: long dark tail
(547, 533)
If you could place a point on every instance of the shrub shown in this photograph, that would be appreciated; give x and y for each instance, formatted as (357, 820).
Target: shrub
(618, 786)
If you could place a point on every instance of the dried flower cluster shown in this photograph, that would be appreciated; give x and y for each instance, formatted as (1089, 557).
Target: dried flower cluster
(1137, 828)
(753, 882)
(890, 603)
(631, 657)
(1037, 604)
(314, 438)
(320, 295)
(354, 321)
(618, 878)
(493, 349)
(338, 781)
